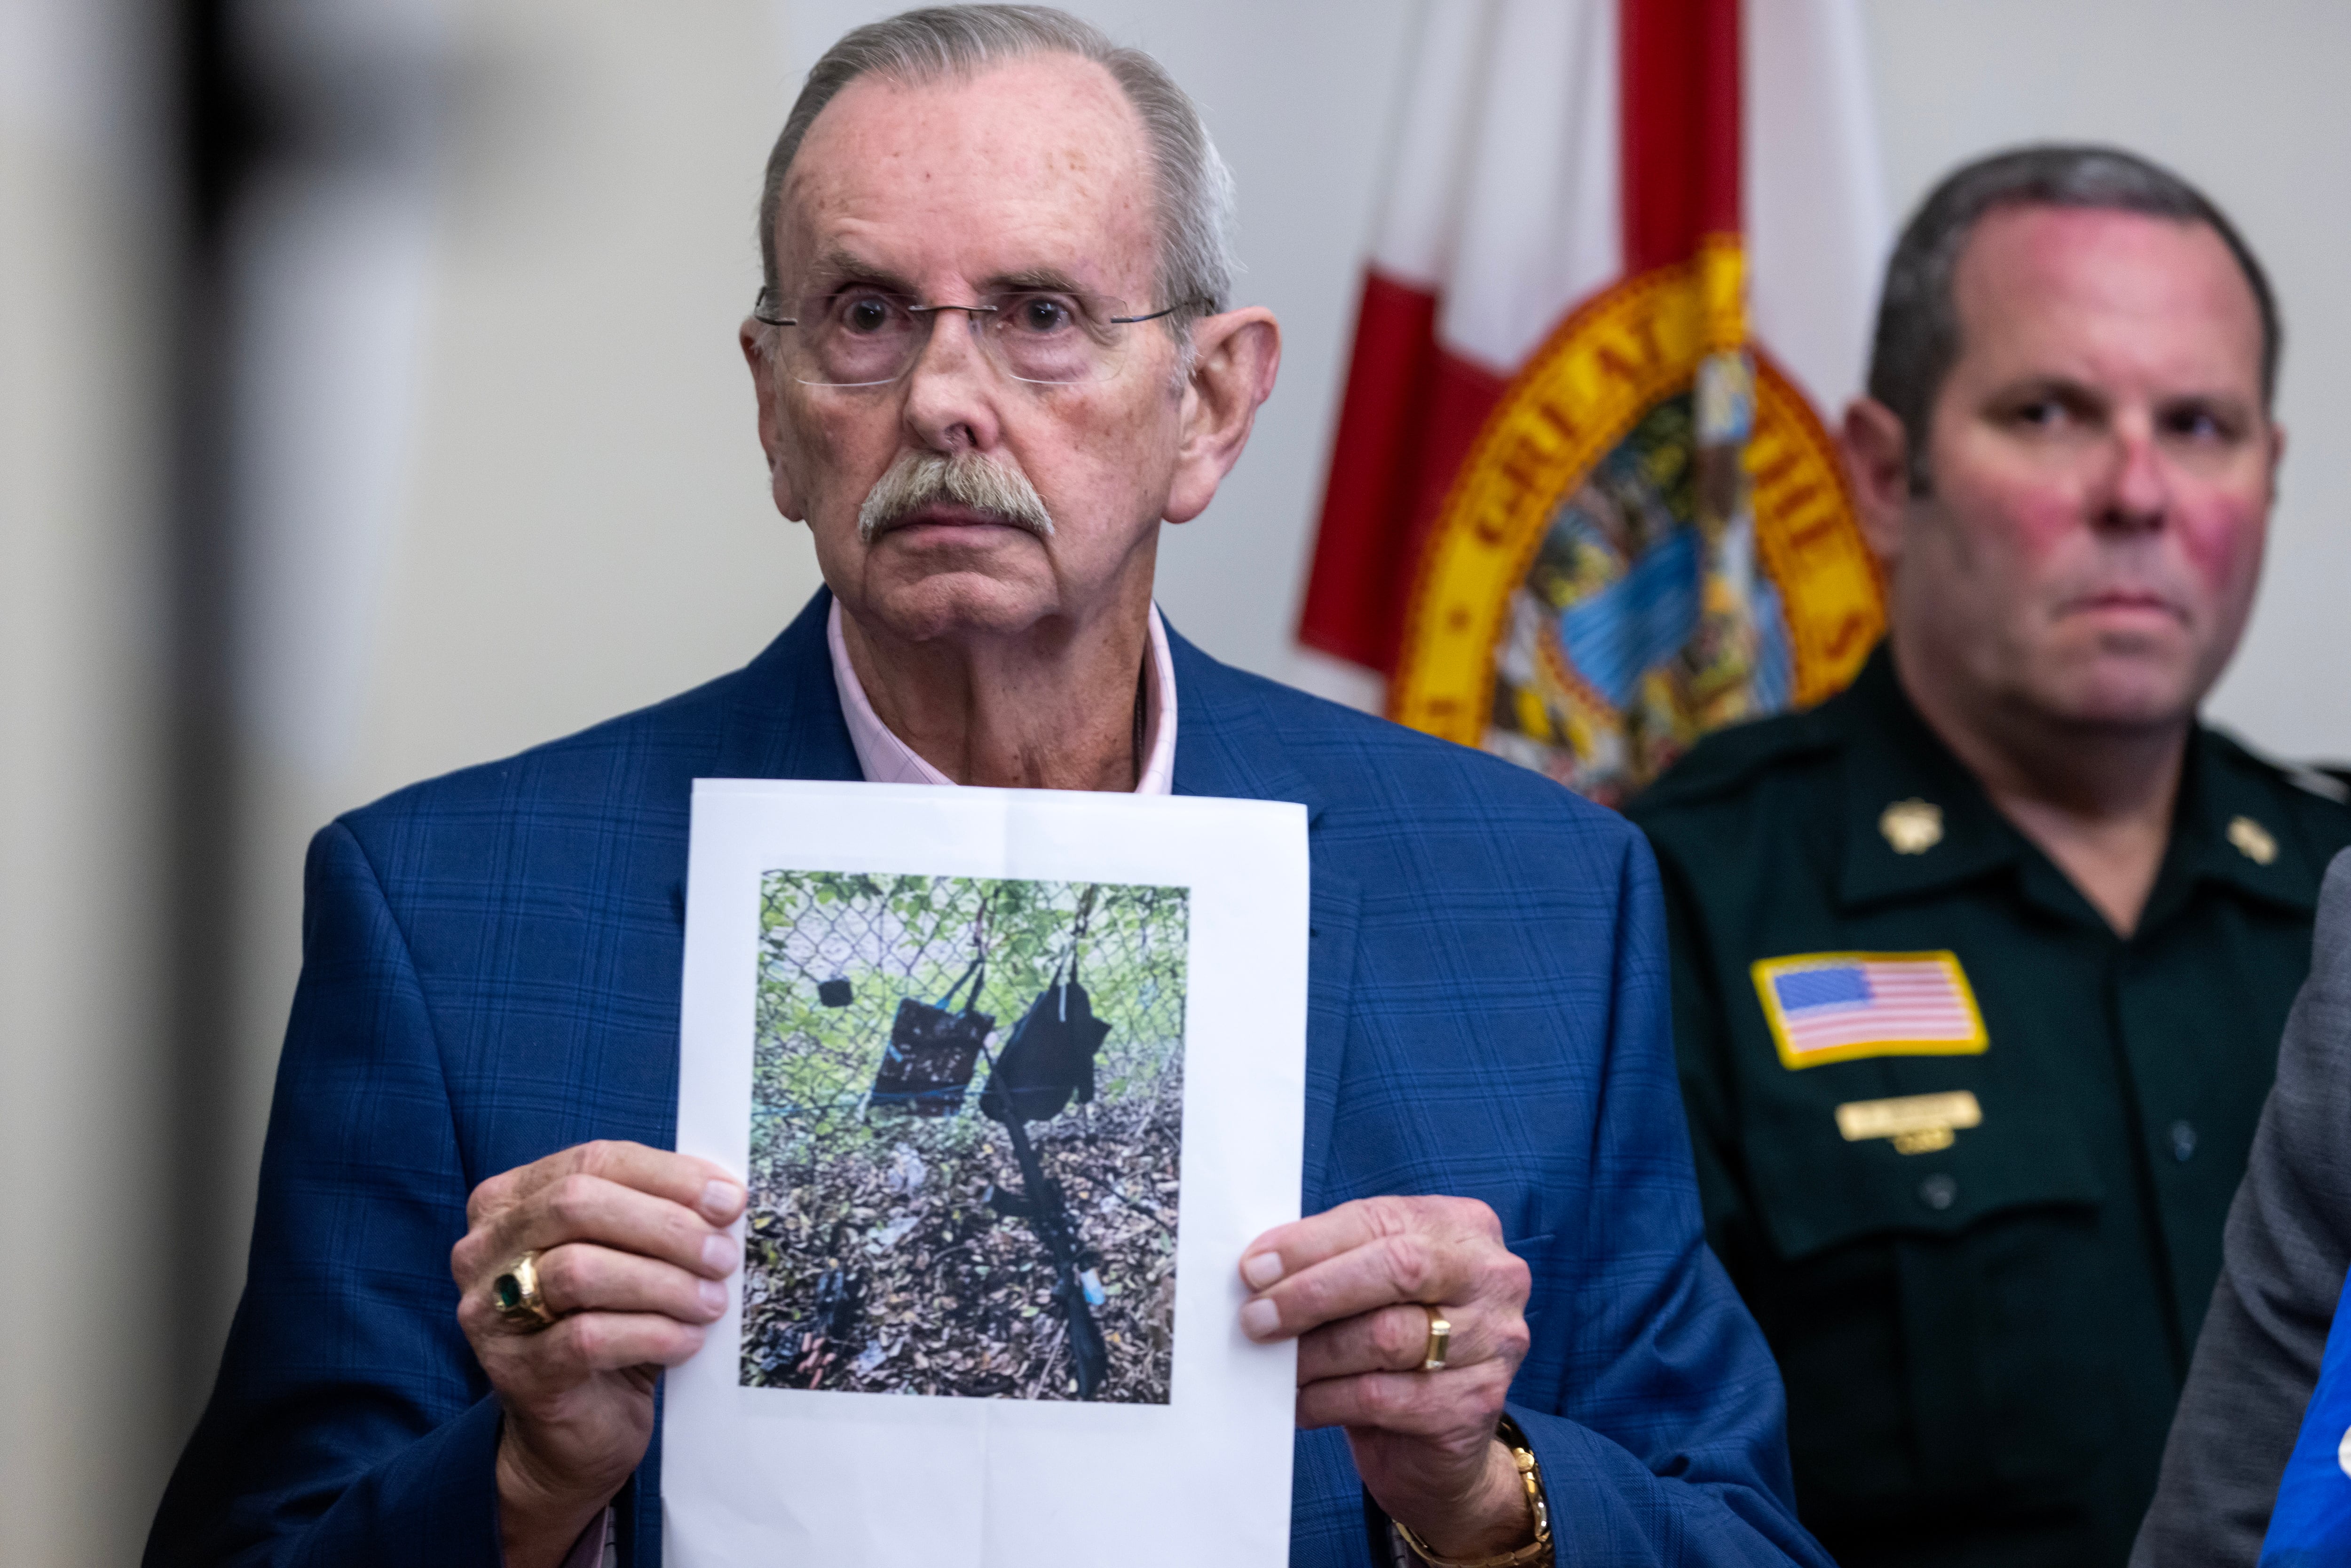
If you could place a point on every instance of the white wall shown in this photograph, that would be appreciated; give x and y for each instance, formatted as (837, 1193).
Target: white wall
(84, 922)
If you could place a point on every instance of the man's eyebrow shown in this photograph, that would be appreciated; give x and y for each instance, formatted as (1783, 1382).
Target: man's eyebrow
(843, 266)
(838, 266)
(2232, 408)
(1048, 278)
(2071, 388)
(2217, 397)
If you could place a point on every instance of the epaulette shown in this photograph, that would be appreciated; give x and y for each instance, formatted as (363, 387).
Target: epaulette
(2330, 781)
(1727, 760)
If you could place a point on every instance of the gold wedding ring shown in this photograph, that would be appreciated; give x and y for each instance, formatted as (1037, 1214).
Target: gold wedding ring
(516, 1295)
(1440, 1336)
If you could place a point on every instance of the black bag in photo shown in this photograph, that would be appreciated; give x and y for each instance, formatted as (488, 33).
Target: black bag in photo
(934, 1049)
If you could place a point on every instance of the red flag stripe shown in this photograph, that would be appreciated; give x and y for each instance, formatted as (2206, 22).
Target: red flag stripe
(1409, 414)
(1680, 147)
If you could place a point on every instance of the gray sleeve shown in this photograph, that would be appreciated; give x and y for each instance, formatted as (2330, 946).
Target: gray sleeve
(2287, 1245)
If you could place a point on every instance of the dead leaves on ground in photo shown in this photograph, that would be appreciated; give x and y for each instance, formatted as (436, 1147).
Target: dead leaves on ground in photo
(888, 1271)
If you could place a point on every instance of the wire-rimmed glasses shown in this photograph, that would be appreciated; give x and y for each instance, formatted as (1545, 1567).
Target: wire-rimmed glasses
(864, 337)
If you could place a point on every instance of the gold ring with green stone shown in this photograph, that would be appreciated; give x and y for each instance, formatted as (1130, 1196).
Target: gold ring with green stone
(516, 1295)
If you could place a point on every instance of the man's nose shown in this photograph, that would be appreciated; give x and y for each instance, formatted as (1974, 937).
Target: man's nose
(2136, 494)
(951, 388)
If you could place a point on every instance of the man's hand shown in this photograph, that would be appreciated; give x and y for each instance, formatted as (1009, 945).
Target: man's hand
(631, 1246)
(1354, 1287)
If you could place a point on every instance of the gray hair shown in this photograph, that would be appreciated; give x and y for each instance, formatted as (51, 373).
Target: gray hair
(1194, 190)
(1918, 338)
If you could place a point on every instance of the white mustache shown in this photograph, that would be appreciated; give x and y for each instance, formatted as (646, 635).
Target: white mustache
(965, 478)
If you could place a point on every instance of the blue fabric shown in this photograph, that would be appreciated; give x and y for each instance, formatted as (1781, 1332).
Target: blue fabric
(491, 972)
(1822, 987)
(2311, 1523)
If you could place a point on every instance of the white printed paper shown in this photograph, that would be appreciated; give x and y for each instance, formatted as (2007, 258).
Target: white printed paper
(1013, 1075)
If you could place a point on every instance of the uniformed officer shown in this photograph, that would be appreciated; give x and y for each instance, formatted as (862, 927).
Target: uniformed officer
(1979, 967)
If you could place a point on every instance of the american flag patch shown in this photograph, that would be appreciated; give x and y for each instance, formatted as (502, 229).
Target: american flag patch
(1836, 1006)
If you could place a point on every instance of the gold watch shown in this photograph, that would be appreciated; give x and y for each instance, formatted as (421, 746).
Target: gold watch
(1536, 1552)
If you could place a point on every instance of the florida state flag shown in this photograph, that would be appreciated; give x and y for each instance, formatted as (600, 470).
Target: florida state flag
(1582, 506)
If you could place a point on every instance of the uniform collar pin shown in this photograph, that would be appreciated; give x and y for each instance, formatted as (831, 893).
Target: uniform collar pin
(1914, 826)
(2253, 841)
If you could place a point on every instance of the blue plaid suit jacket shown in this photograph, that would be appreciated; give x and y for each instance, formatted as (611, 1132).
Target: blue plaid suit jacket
(490, 973)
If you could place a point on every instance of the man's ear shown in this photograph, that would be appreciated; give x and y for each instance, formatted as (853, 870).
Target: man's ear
(1877, 465)
(1236, 356)
(757, 340)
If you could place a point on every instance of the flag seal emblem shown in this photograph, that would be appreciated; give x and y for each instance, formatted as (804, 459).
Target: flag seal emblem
(1611, 574)
(1841, 1007)
(1581, 509)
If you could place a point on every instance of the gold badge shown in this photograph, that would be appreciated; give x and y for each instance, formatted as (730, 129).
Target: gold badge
(1914, 826)
(1918, 1123)
(2252, 841)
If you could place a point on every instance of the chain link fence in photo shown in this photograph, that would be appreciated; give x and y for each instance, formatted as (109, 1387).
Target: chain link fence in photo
(967, 1119)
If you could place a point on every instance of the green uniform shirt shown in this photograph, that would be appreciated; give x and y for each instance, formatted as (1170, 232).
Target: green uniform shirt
(1983, 1307)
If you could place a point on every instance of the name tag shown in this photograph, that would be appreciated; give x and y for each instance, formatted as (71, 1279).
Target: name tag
(1918, 1123)
(1840, 1006)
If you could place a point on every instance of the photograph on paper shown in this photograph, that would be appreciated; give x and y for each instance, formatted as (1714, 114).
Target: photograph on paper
(967, 1127)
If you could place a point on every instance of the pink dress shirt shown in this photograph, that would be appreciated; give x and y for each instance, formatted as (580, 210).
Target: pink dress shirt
(886, 759)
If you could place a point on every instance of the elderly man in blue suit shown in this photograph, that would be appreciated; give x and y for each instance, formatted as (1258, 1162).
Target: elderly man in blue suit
(992, 355)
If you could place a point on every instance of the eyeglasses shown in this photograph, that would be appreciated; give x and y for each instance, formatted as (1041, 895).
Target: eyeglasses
(861, 337)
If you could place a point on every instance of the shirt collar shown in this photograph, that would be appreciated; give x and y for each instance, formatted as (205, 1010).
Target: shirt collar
(886, 759)
(2228, 817)
(1894, 764)
(1893, 758)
